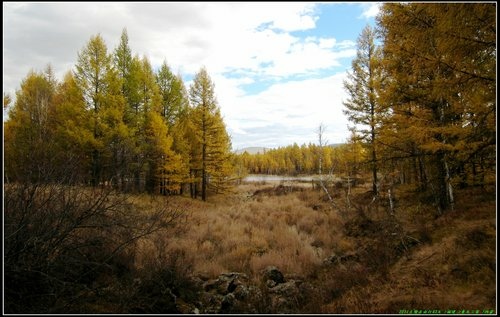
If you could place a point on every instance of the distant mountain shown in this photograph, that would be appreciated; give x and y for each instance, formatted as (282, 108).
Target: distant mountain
(252, 150)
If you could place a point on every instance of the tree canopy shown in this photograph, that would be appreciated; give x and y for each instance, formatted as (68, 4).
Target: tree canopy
(115, 121)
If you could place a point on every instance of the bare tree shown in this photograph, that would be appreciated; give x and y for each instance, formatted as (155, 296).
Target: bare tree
(322, 143)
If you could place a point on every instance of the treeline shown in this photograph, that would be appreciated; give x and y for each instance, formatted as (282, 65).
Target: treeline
(422, 98)
(306, 159)
(115, 121)
(428, 95)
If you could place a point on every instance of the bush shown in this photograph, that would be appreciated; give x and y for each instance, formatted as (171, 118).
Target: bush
(64, 245)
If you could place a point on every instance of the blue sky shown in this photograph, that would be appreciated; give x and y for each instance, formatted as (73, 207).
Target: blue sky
(278, 67)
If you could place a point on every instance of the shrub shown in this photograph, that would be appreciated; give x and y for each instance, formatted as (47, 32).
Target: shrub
(65, 244)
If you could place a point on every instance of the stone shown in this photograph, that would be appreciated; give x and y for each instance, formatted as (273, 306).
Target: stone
(274, 274)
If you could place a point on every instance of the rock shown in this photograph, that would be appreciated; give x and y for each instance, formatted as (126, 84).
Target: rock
(225, 283)
(288, 289)
(185, 308)
(272, 273)
(338, 259)
(241, 292)
(248, 299)
(229, 293)
(271, 283)
(211, 303)
(332, 259)
(285, 297)
(227, 303)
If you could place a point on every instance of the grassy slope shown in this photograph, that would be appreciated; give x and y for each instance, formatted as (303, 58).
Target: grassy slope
(410, 261)
(454, 268)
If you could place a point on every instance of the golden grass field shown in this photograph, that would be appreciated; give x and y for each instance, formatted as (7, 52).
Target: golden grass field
(355, 258)
(412, 260)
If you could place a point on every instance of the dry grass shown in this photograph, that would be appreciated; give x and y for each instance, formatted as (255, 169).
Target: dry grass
(412, 260)
(453, 268)
(238, 232)
(377, 262)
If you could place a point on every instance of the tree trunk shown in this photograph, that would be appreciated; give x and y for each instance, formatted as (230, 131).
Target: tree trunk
(442, 185)
(95, 168)
(374, 165)
(203, 173)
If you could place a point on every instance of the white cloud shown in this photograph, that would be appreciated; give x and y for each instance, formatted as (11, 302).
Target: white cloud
(285, 109)
(254, 37)
(327, 43)
(239, 43)
(370, 10)
(301, 17)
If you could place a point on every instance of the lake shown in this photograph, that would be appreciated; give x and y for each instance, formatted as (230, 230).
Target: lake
(275, 178)
(253, 178)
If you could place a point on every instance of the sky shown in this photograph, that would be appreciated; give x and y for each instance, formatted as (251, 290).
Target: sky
(278, 67)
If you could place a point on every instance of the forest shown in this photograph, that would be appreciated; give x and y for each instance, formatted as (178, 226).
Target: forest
(122, 193)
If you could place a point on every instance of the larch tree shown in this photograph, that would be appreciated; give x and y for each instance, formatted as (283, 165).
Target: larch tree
(125, 66)
(467, 43)
(114, 121)
(440, 60)
(362, 106)
(174, 100)
(73, 128)
(175, 111)
(100, 85)
(220, 158)
(210, 154)
(122, 59)
(138, 95)
(28, 147)
(91, 70)
(116, 134)
(154, 142)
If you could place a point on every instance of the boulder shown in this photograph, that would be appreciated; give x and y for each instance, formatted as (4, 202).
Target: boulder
(225, 283)
(287, 297)
(230, 293)
(273, 274)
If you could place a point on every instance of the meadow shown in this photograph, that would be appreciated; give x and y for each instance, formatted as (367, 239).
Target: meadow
(145, 254)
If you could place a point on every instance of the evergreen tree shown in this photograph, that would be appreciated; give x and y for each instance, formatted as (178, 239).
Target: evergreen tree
(28, 147)
(73, 130)
(362, 107)
(91, 68)
(210, 152)
(173, 93)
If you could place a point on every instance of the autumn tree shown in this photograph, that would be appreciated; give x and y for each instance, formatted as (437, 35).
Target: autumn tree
(28, 148)
(116, 135)
(362, 106)
(211, 151)
(161, 164)
(72, 128)
(91, 74)
(173, 93)
(440, 62)
(115, 121)
(174, 109)
(122, 59)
